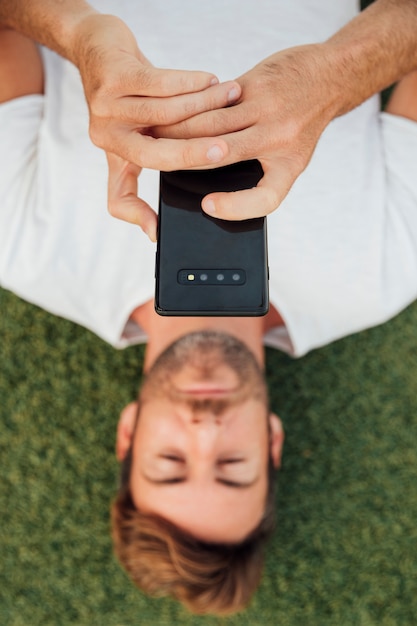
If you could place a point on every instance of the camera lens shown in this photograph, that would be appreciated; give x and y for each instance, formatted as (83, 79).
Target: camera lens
(220, 276)
(236, 276)
(203, 276)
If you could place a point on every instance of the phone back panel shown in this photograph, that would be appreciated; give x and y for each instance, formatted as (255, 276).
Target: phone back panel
(207, 266)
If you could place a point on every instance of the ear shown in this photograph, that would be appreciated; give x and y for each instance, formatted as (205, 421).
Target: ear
(125, 430)
(277, 439)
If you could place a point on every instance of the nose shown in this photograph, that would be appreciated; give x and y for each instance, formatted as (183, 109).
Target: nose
(204, 430)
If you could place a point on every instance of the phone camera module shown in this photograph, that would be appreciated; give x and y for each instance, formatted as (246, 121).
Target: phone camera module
(206, 276)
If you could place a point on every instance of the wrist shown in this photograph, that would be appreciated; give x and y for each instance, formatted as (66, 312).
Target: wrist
(349, 75)
(372, 52)
(97, 33)
(316, 65)
(80, 36)
(47, 22)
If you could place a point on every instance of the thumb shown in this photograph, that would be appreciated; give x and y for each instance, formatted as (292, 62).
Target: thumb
(123, 200)
(257, 201)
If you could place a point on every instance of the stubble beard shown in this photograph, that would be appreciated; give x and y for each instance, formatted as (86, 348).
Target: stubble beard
(204, 351)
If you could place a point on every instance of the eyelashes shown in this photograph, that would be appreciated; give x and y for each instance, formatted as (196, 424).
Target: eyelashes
(172, 457)
(177, 459)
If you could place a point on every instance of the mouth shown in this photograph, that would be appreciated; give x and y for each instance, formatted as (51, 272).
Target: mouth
(207, 389)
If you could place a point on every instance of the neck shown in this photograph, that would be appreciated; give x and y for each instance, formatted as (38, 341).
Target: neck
(162, 331)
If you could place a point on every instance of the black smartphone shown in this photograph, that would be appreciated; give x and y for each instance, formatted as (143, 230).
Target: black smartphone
(208, 266)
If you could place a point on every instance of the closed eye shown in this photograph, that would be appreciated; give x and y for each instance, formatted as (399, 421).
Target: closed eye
(178, 459)
(171, 457)
(166, 481)
(223, 481)
(230, 461)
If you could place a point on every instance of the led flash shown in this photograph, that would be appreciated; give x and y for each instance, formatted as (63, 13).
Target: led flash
(190, 277)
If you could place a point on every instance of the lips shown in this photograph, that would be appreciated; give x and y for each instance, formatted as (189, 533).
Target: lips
(206, 389)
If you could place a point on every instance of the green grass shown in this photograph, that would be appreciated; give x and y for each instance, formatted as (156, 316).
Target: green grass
(345, 550)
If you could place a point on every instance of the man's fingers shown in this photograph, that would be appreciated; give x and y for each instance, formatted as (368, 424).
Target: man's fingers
(123, 201)
(240, 205)
(255, 202)
(211, 122)
(153, 81)
(134, 210)
(163, 154)
(155, 112)
(211, 152)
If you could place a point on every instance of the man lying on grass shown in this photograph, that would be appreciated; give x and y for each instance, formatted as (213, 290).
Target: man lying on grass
(198, 447)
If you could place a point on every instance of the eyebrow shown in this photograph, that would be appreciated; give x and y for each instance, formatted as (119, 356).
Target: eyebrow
(223, 481)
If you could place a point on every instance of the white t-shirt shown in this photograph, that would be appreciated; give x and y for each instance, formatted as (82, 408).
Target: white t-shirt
(342, 246)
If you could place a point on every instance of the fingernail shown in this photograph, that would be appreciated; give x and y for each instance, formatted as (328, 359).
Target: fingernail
(215, 153)
(232, 95)
(214, 81)
(209, 206)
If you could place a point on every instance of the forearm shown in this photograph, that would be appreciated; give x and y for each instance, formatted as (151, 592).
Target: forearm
(51, 23)
(371, 52)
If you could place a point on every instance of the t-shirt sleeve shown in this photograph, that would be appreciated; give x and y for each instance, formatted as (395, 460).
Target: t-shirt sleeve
(400, 147)
(399, 136)
(59, 248)
(20, 123)
(343, 251)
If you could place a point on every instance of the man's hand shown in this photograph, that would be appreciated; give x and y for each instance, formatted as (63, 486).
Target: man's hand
(127, 96)
(288, 100)
(283, 109)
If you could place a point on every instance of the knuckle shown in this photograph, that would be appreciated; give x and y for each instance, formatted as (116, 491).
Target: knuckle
(224, 207)
(184, 82)
(96, 135)
(188, 155)
(190, 108)
(152, 114)
(219, 121)
(101, 97)
(183, 129)
(272, 202)
(113, 208)
(144, 77)
(99, 105)
(292, 129)
(260, 82)
(297, 159)
(298, 163)
(160, 115)
(162, 82)
(171, 82)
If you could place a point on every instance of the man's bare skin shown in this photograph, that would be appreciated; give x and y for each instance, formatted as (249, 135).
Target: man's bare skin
(162, 331)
